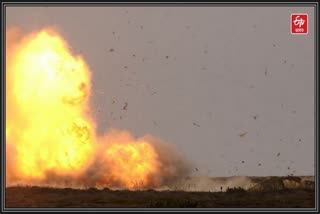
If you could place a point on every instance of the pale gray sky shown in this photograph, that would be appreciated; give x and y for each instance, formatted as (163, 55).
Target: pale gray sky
(202, 65)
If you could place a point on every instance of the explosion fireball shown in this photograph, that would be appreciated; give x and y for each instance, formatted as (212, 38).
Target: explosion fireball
(50, 131)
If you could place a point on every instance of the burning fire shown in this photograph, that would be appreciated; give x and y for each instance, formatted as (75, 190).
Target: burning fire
(50, 133)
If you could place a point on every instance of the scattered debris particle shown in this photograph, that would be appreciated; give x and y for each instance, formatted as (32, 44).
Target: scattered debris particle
(155, 123)
(242, 161)
(205, 51)
(278, 154)
(125, 67)
(167, 57)
(195, 124)
(196, 169)
(111, 49)
(299, 140)
(255, 117)
(274, 45)
(125, 106)
(266, 71)
(133, 55)
(243, 134)
(284, 61)
(259, 164)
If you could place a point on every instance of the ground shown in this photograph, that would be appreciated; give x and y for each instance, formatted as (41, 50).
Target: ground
(238, 198)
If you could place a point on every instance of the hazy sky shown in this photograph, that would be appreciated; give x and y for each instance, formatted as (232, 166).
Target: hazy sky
(197, 77)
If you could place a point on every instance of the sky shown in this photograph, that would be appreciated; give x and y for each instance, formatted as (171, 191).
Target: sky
(230, 87)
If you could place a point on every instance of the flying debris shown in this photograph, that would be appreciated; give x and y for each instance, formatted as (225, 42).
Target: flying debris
(155, 123)
(255, 117)
(125, 106)
(266, 71)
(195, 124)
(243, 134)
(242, 161)
(167, 57)
(259, 164)
(278, 154)
(111, 50)
(196, 169)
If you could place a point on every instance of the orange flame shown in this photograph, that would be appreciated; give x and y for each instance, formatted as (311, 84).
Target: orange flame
(48, 120)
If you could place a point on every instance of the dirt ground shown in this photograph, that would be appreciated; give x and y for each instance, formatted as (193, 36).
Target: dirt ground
(94, 198)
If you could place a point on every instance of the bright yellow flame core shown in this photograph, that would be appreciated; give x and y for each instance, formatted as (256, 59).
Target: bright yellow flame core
(49, 123)
(49, 91)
